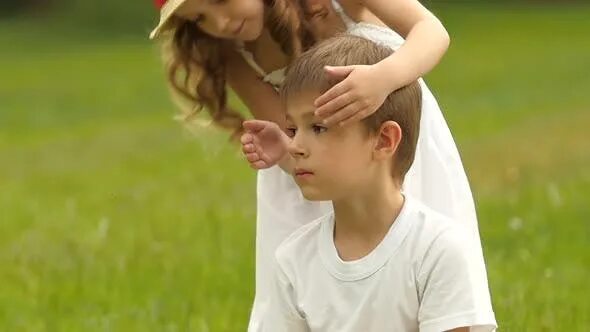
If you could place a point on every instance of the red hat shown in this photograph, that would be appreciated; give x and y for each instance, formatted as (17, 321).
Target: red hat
(159, 3)
(167, 9)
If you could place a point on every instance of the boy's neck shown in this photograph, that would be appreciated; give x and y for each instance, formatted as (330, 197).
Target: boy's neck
(363, 218)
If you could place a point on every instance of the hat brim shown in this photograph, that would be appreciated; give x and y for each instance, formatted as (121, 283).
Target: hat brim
(166, 12)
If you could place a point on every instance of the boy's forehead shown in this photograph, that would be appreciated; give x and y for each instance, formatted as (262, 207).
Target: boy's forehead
(301, 104)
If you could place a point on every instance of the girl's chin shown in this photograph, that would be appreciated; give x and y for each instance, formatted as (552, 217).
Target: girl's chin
(252, 30)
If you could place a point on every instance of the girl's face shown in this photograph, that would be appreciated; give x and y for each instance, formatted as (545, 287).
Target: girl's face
(241, 20)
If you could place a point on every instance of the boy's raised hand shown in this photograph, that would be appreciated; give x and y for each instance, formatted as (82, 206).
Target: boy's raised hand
(264, 143)
(360, 92)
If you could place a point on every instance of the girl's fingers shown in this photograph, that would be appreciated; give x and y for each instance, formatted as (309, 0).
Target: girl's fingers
(343, 114)
(246, 138)
(248, 148)
(259, 165)
(254, 126)
(334, 105)
(337, 90)
(252, 157)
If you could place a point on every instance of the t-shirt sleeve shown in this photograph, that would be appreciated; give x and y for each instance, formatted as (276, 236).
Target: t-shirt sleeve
(283, 314)
(453, 286)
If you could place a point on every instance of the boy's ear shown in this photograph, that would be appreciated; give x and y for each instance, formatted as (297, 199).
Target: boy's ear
(389, 136)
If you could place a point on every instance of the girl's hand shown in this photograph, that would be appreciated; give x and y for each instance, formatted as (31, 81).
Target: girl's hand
(361, 91)
(264, 144)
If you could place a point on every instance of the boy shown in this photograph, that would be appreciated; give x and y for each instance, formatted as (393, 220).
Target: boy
(382, 261)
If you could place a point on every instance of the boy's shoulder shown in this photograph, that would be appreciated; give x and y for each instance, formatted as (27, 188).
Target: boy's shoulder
(432, 230)
(438, 241)
(450, 273)
(425, 232)
(428, 222)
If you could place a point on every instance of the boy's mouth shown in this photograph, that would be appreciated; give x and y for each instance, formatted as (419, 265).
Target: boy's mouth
(302, 173)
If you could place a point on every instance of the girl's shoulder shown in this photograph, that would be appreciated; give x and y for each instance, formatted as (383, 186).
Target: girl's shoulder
(351, 7)
(357, 11)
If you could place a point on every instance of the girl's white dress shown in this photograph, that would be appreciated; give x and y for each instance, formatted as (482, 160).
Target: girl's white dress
(437, 177)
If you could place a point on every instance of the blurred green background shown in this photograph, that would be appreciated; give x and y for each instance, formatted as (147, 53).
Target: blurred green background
(114, 218)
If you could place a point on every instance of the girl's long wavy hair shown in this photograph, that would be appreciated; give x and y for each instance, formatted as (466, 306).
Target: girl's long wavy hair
(196, 62)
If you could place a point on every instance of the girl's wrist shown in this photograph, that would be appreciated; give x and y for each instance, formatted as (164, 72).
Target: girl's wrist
(285, 141)
(393, 71)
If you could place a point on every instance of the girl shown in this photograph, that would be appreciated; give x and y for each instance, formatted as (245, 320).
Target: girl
(246, 44)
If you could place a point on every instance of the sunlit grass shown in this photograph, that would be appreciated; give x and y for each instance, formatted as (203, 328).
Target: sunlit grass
(112, 218)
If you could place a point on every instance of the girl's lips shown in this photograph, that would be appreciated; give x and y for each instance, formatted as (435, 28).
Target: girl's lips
(239, 28)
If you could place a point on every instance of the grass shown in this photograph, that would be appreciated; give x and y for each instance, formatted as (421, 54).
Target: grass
(114, 219)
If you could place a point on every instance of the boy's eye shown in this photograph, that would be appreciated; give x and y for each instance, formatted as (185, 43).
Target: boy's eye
(291, 131)
(318, 129)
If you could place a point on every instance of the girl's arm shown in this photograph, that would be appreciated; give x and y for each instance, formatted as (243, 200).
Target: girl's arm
(426, 38)
(283, 314)
(261, 98)
(426, 42)
(264, 143)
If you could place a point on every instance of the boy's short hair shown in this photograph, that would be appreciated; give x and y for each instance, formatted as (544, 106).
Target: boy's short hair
(403, 106)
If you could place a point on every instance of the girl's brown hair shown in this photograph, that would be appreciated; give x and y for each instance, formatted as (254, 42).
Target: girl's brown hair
(196, 62)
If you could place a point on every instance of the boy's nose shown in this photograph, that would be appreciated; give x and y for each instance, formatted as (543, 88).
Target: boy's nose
(296, 150)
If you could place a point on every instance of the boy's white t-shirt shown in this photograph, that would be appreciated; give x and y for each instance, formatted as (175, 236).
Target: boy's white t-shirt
(436, 178)
(424, 276)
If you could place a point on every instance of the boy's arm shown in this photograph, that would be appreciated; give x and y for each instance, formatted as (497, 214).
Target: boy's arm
(283, 314)
(453, 287)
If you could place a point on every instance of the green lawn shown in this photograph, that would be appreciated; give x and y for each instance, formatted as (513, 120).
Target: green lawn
(112, 218)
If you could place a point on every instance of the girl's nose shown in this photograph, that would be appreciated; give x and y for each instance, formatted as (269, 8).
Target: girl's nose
(222, 24)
